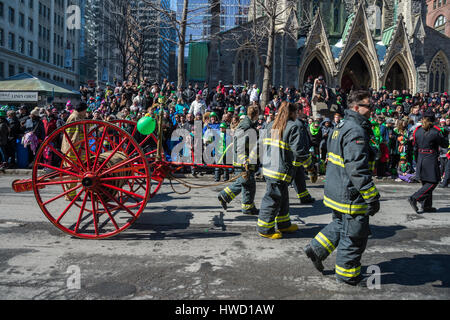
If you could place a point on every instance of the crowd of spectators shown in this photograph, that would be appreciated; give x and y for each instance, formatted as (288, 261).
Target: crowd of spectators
(395, 116)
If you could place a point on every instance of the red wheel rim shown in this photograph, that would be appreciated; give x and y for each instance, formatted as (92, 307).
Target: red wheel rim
(148, 144)
(84, 196)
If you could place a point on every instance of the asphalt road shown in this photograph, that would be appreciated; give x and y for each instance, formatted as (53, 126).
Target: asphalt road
(186, 247)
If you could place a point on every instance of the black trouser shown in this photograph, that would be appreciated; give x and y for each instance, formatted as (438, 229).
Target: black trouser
(219, 171)
(348, 234)
(425, 194)
(446, 179)
(299, 184)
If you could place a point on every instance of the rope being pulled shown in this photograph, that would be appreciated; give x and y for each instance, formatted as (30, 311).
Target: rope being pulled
(191, 185)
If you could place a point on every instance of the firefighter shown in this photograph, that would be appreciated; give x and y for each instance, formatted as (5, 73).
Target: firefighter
(299, 182)
(245, 140)
(76, 136)
(283, 144)
(427, 139)
(349, 192)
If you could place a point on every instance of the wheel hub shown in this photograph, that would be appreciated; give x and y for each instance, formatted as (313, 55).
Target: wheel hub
(89, 181)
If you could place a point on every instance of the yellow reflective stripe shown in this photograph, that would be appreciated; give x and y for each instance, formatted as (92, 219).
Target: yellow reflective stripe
(276, 175)
(307, 162)
(303, 194)
(241, 156)
(326, 239)
(248, 206)
(368, 190)
(237, 164)
(283, 218)
(323, 244)
(229, 193)
(264, 224)
(350, 273)
(370, 193)
(344, 208)
(335, 159)
(276, 143)
(296, 164)
(371, 165)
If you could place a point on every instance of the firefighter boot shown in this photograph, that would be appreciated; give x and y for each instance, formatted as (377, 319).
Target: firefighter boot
(314, 258)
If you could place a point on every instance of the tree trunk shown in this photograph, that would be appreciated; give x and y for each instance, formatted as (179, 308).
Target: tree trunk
(182, 44)
(267, 79)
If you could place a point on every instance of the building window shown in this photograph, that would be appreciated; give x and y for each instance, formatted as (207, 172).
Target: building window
(11, 41)
(2, 38)
(30, 25)
(434, 4)
(2, 70)
(21, 69)
(21, 45)
(11, 70)
(439, 3)
(12, 15)
(438, 73)
(30, 48)
(1, 10)
(21, 20)
(439, 24)
(30, 4)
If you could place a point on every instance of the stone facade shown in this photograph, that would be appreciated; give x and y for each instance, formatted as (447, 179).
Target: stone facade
(353, 44)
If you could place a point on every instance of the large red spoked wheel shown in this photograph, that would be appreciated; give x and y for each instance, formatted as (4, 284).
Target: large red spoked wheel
(149, 144)
(85, 189)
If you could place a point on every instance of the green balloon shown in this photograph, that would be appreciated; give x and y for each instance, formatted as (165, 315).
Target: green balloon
(146, 125)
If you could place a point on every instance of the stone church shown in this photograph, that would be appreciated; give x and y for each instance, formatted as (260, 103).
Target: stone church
(353, 44)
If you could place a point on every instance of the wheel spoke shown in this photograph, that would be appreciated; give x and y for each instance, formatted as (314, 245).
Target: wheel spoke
(120, 164)
(65, 158)
(121, 178)
(86, 146)
(73, 150)
(111, 155)
(100, 146)
(120, 204)
(94, 213)
(108, 212)
(80, 215)
(61, 195)
(123, 190)
(60, 170)
(51, 183)
(69, 206)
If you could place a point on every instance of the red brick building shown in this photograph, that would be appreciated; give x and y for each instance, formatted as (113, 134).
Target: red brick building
(438, 15)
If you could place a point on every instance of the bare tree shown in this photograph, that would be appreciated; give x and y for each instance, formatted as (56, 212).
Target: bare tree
(189, 17)
(123, 35)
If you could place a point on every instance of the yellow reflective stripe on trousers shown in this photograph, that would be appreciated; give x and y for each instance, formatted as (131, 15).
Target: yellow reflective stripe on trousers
(229, 193)
(296, 164)
(285, 218)
(335, 159)
(277, 175)
(303, 194)
(247, 206)
(325, 242)
(276, 143)
(370, 193)
(344, 208)
(350, 273)
(264, 224)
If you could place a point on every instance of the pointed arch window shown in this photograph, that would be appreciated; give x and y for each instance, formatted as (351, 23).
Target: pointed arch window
(439, 24)
(439, 71)
(431, 82)
(245, 66)
(436, 82)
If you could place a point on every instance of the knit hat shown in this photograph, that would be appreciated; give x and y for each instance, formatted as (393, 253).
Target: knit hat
(223, 125)
(35, 112)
